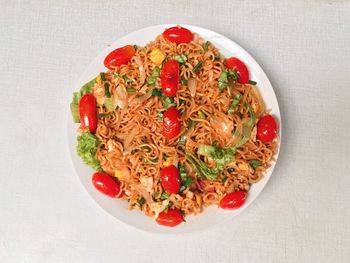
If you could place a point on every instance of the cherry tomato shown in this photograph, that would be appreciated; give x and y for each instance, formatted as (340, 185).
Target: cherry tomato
(169, 77)
(171, 218)
(266, 129)
(171, 123)
(240, 68)
(170, 179)
(233, 200)
(119, 56)
(88, 112)
(178, 35)
(106, 185)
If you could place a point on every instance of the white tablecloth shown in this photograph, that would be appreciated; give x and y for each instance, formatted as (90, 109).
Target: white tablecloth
(302, 215)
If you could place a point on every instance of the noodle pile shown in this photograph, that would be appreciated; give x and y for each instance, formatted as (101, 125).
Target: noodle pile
(133, 149)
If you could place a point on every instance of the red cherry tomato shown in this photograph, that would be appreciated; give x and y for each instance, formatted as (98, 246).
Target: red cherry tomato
(88, 112)
(240, 68)
(169, 77)
(106, 185)
(171, 218)
(119, 56)
(178, 35)
(171, 123)
(170, 179)
(266, 129)
(233, 200)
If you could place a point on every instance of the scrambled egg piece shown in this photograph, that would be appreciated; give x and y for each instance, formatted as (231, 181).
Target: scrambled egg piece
(168, 162)
(243, 166)
(157, 56)
(118, 174)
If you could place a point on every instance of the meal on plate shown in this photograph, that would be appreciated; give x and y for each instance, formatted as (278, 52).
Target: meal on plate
(173, 127)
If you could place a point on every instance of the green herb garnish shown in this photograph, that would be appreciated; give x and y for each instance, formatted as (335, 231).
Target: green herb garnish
(223, 80)
(255, 164)
(252, 82)
(234, 104)
(164, 195)
(153, 77)
(141, 201)
(233, 74)
(197, 67)
(206, 45)
(108, 94)
(102, 75)
(130, 90)
(180, 58)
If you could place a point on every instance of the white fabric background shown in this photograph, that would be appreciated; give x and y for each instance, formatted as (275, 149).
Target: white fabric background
(302, 215)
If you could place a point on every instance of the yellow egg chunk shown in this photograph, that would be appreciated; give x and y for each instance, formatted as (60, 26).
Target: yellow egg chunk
(157, 56)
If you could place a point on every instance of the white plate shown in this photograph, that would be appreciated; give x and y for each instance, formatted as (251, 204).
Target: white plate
(211, 215)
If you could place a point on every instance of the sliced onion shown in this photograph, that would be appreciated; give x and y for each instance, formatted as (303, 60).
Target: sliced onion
(222, 125)
(144, 193)
(260, 108)
(141, 68)
(121, 96)
(192, 83)
(128, 139)
(141, 99)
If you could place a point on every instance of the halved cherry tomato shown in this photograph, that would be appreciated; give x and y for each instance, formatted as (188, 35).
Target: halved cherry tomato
(119, 57)
(178, 34)
(170, 179)
(106, 185)
(233, 200)
(171, 123)
(171, 218)
(266, 129)
(88, 112)
(169, 77)
(240, 68)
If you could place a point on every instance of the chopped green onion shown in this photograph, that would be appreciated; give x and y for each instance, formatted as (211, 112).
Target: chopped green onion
(183, 81)
(103, 115)
(185, 179)
(255, 163)
(168, 102)
(223, 80)
(233, 74)
(206, 45)
(191, 124)
(224, 179)
(151, 80)
(156, 92)
(160, 115)
(169, 205)
(108, 94)
(234, 103)
(252, 82)
(164, 195)
(141, 201)
(197, 67)
(130, 90)
(201, 115)
(103, 77)
(153, 77)
(180, 58)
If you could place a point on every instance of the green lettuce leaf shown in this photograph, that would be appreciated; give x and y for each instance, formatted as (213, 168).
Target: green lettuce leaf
(87, 148)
